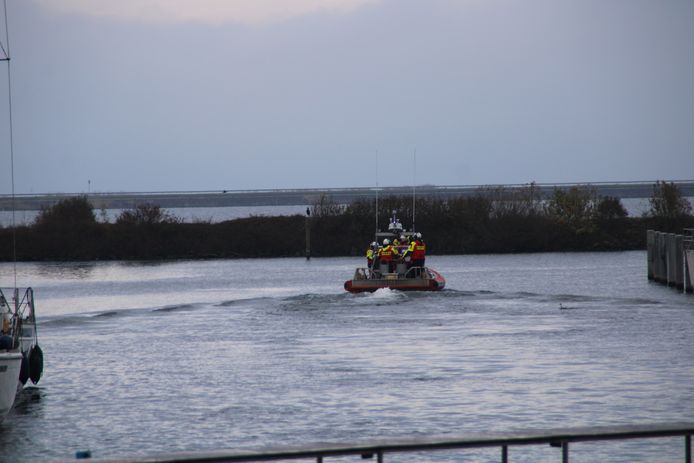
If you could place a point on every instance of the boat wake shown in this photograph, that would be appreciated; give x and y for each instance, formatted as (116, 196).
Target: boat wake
(109, 314)
(75, 320)
(313, 301)
(243, 301)
(174, 308)
(447, 299)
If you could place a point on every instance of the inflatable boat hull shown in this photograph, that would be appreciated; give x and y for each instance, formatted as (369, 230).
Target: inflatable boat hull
(431, 282)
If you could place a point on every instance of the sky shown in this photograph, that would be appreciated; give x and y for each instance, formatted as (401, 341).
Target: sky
(189, 95)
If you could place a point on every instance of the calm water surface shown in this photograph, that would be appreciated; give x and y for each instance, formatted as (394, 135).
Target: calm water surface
(144, 358)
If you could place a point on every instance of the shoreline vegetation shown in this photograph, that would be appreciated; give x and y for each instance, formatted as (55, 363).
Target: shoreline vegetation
(491, 221)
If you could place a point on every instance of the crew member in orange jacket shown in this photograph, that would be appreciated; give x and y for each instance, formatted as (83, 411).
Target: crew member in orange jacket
(388, 254)
(419, 253)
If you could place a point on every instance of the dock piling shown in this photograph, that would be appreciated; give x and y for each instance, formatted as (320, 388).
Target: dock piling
(308, 235)
(670, 259)
(650, 249)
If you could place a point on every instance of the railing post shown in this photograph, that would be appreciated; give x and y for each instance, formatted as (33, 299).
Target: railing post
(565, 452)
(379, 456)
(504, 454)
(319, 460)
(687, 448)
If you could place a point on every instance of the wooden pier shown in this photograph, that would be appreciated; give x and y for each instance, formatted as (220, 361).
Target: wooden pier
(671, 258)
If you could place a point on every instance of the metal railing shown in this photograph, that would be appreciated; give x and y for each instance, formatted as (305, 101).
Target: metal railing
(560, 438)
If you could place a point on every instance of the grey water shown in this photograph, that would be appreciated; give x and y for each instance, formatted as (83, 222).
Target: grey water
(144, 358)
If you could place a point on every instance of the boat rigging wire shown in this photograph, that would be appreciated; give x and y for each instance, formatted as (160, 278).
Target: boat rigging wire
(6, 52)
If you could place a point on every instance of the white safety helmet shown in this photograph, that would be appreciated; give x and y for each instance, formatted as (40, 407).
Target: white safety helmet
(402, 237)
(374, 244)
(386, 242)
(419, 235)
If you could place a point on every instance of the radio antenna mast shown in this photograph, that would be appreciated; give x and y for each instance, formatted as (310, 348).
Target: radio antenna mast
(376, 192)
(414, 186)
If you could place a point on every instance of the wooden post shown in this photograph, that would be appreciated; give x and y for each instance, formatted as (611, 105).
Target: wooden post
(308, 237)
(664, 259)
(685, 274)
(686, 270)
(650, 253)
(678, 251)
(672, 259)
(657, 264)
(668, 264)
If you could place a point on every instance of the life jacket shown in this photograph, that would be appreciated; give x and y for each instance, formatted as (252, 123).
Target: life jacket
(369, 253)
(387, 253)
(419, 250)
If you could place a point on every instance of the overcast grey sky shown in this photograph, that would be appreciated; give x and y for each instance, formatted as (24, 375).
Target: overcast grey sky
(143, 95)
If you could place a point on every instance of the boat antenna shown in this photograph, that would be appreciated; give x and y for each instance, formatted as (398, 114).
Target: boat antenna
(414, 186)
(376, 192)
(5, 56)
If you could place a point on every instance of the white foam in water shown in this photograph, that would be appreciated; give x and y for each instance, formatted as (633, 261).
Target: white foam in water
(385, 293)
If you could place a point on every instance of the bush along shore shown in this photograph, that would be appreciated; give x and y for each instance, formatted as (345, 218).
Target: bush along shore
(491, 221)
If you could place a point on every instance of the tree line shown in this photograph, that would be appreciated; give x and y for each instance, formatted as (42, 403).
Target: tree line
(493, 220)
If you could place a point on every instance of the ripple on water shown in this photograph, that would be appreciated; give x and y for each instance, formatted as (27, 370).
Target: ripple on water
(246, 364)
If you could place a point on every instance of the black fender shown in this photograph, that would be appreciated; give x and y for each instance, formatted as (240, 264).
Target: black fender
(24, 369)
(35, 364)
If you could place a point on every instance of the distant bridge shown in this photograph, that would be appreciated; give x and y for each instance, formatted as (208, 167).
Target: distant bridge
(308, 196)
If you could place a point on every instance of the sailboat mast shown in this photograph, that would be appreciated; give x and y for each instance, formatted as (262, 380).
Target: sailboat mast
(5, 48)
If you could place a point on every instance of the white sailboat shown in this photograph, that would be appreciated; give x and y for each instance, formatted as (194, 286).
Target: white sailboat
(10, 366)
(21, 357)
